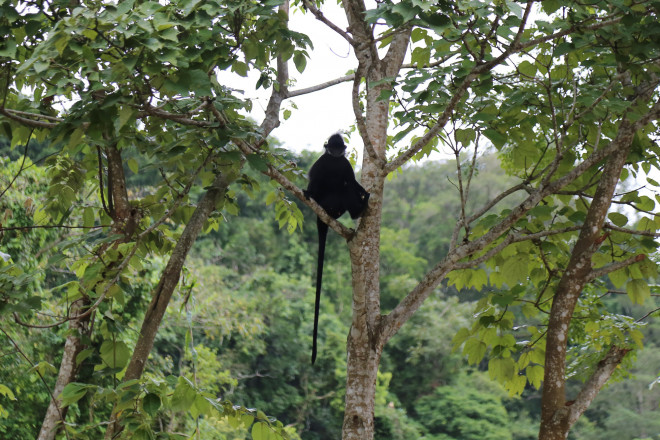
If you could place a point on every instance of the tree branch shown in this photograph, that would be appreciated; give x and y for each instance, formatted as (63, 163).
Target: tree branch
(11, 114)
(319, 16)
(20, 169)
(515, 47)
(322, 86)
(400, 314)
(601, 271)
(603, 372)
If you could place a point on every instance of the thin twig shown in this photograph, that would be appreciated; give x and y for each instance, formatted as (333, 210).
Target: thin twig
(20, 170)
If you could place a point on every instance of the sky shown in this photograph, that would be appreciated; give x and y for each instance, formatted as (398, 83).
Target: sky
(320, 114)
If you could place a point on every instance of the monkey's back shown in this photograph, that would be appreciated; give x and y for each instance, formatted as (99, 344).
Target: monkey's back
(329, 180)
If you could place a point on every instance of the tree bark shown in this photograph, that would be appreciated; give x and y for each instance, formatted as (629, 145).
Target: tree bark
(557, 416)
(365, 342)
(168, 282)
(67, 372)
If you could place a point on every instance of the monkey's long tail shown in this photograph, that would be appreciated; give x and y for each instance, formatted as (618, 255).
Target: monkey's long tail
(323, 233)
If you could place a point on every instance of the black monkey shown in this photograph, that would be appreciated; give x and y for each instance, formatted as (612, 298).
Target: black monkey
(332, 185)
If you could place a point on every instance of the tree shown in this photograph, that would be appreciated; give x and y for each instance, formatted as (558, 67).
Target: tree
(136, 85)
(566, 93)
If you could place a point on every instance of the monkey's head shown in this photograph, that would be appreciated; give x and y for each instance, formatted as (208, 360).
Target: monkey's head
(335, 146)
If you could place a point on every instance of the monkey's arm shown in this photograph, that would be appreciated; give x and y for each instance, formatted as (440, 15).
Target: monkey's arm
(356, 197)
(314, 185)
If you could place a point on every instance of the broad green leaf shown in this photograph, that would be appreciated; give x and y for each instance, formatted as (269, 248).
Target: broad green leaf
(257, 162)
(638, 291)
(5, 391)
(637, 336)
(501, 369)
(88, 217)
(151, 403)
(84, 354)
(240, 68)
(201, 406)
(465, 136)
(515, 269)
(261, 431)
(459, 278)
(538, 356)
(132, 165)
(498, 139)
(272, 197)
(535, 375)
(461, 336)
(73, 392)
(618, 277)
(475, 350)
(115, 354)
(617, 218)
(516, 385)
(527, 68)
(45, 368)
(300, 61)
(184, 395)
(247, 420)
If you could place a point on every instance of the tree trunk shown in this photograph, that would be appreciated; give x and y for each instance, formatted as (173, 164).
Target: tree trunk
(67, 372)
(168, 282)
(557, 416)
(361, 374)
(365, 340)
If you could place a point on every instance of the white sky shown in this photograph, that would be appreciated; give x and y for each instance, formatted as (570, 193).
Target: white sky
(319, 114)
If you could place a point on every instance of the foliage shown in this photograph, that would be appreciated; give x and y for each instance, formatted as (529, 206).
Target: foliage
(463, 411)
(131, 146)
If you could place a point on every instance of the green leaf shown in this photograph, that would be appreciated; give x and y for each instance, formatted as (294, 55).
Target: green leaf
(618, 277)
(475, 350)
(638, 291)
(617, 218)
(184, 395)
(247, 420)
(260, 431)
(461, 336)
(84, 354)
(637, 336)
(498, 139)
(196, 81)
(300, 61)
(527, 68)
(5, 391)
(501, 369)
(459, 278)
(126, 114)
(516, 385)
(240, 68)
(257, 162)
(200, 406)
(44, 368)
(73, 392)
(151, 403)
(515, 269)
(115, 354)
(88, 217)
(132, 165)
(465, 136)
(478, 278)
(8, 49)
(535, 375)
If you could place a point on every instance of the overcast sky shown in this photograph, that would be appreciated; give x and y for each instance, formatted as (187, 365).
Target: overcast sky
(322, 113)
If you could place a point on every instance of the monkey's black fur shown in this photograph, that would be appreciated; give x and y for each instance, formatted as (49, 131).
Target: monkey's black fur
(332, 185)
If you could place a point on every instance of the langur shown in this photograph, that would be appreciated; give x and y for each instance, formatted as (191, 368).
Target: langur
(332, 185)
